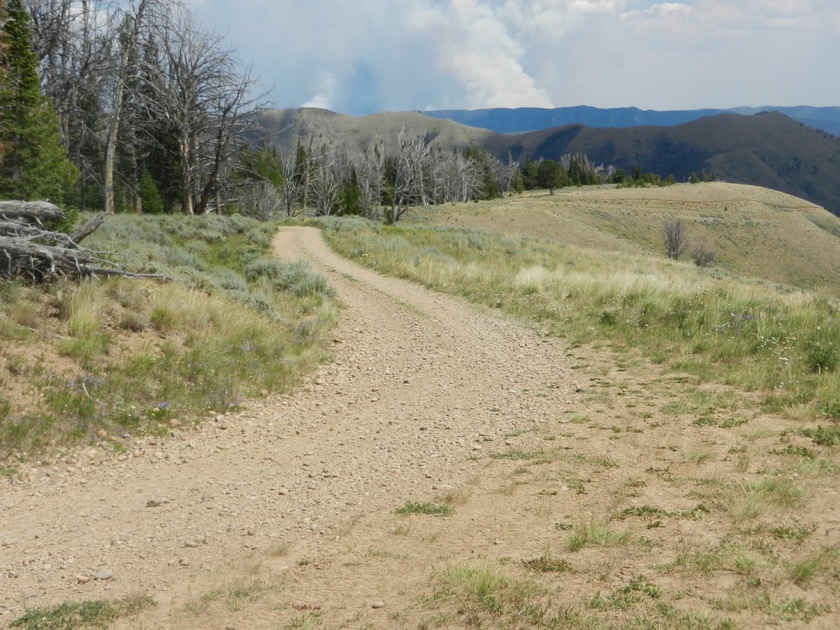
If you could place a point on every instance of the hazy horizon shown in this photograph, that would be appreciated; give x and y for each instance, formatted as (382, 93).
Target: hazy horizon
(416, 55)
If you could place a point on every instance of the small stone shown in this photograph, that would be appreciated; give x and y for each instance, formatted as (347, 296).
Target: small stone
(104, 574)
(230, 626)
(477, 447)
(190, 543)
(183, 562)
(153, 503)
(82, 579)
(378, 604)
(174, 423)
(251, 532)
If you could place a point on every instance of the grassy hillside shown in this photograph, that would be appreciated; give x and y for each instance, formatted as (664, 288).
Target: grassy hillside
(81, 361)
(768, 149)
(588, 265)
(754, 231)
(288, 127)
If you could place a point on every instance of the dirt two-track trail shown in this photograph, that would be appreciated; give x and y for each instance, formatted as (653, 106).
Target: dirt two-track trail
(286, 509)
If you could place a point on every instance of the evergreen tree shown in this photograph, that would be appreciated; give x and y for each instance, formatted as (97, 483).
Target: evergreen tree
(34, 163)
(151, 201)
(483, 160)
(351, 195)
(518, 183)
(529, 174)
(550, 175)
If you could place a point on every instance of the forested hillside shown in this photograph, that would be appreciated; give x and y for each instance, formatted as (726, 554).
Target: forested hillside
(523, 119)
(769, 149)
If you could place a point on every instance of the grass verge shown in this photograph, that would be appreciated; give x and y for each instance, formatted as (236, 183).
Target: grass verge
(114, 357)
(82, 615)
(757, 336)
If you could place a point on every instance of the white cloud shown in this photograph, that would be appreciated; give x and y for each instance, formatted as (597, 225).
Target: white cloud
(325, 94)
(474, 45)
(418, 54)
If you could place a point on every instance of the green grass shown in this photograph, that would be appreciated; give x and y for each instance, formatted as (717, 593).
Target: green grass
(486, 592)
(547, 564)
(596, 534)
(234, 595)
(234, 323)
(429, 509)
(783, 343)
(749, 500)
(82, 615)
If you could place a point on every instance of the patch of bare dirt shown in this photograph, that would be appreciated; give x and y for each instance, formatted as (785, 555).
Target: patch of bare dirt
(283, 514)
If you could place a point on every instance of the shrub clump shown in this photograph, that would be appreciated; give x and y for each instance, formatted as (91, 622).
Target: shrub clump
(297, 278)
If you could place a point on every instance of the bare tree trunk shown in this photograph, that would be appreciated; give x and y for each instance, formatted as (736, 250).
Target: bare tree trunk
(116, 114)
(186, 195)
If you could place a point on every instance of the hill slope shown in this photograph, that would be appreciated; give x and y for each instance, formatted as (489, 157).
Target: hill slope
(523, 119)
(755, 232)
(769, 150)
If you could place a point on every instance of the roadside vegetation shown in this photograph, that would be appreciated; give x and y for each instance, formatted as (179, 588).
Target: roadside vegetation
(82, 615)
(109, 358)
(701, 487)
(782, 344)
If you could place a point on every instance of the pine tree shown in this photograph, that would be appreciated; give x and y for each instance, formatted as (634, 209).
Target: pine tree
(529, 174)
(550, 175)
(151, 201)
(351, 195)
(34, 163)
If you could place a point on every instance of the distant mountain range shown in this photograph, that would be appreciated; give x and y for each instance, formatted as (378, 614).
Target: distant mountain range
(768, 149)
(525, 119)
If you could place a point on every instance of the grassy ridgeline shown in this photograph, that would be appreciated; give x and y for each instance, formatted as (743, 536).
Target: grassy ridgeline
(125, 355)
(754, 335)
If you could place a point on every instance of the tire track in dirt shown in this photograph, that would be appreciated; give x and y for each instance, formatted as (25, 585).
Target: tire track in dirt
(419, 383)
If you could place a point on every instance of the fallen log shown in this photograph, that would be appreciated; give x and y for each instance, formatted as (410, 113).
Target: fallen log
(32, 212)
(27, 251)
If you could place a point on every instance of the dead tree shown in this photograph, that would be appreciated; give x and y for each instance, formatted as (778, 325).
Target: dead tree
(675, 237)
(29, 250)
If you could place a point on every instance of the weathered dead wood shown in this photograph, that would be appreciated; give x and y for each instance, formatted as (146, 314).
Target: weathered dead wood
(33, 212)
(88, 228)
(30, 252)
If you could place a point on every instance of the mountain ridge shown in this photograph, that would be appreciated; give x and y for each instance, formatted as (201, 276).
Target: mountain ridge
(768, 149)
(525, 119)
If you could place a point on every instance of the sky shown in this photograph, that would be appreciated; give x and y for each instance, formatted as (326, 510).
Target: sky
(363, 56)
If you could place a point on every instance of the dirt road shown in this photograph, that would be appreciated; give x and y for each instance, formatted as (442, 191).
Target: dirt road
(587, 488)
(285, 511)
